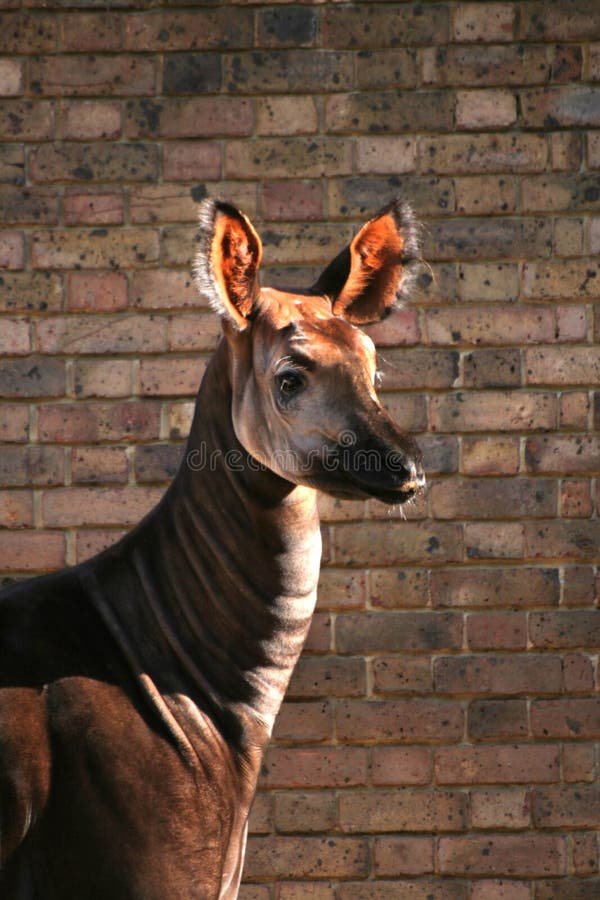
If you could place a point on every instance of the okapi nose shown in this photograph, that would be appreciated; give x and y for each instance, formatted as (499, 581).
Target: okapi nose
(416, 478)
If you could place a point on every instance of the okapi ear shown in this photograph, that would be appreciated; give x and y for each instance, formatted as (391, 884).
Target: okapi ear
(227, 261)
(376, 269)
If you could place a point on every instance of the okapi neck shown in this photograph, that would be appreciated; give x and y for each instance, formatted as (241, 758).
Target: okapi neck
(223, 576)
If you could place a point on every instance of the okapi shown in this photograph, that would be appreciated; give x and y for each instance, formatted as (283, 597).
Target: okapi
(138, 689)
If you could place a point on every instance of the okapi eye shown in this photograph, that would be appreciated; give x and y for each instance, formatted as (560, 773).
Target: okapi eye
(289, 382)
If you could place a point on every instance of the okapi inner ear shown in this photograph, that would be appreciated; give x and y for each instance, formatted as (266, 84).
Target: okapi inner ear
(227, 262)
(367, 278)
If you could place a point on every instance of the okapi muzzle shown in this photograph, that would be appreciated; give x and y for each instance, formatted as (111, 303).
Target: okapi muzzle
(138, 689)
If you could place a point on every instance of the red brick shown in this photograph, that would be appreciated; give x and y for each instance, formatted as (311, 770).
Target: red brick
(90, 120)
(297, 157)
(30, 292)
(539, 22)
(396, 721)
(171, 376)
(31, 466)
(571, 105)
(90, 541)
(494, 22)
(493, 540)
(312, 767)
(102, 334)
(571, 279)
(402, 675)
(14, 422)
(578, 586)
(12, 250)
(401, 327)
(412, 809)
(302, 857)
(319, 635)
(567, 889)
(498, 720)
(26, 206)
(285, 200)
(98, 248)
(32, 377)
(403, 889)
(520, 855)
(15, 337)
(96, 293)
(25, 32)
(565, 629)
(391, 631)
(328, 676)
(490, 456)
(27, 120)
(402, 856)
(80, 422)
(572, 718)
(562, 365)
(316, 890)
(87, 208)
(29, 551)
(490, 325)
(165, 203)
(304, 722)
(575, 454)
(353, 26)
(497, 631)
(485, 65)
(193, 331)
(576, 498)
(478, 411)
(81, 75)
(16, 509)
(98, 506)
(157, 462)
(495, 587)
(459, 154)
(573, 807)
(286, 115)
(500, 889)
(99, 465)
(110, 162)
(569, 539)
(412, 542)
(585, 854)
(579, 762)
(485, 109)
(102, 377)
(498, 674)
(574, 409)
(189, 117)
(91, 32)
(401, 765)
(497, 498)
(305, 812)
(191, 162)
(500, 808)
(165, 290)
(578, 673)
(341, 589)
(197, 29)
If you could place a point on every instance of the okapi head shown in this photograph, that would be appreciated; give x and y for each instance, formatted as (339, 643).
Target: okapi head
(302, 371)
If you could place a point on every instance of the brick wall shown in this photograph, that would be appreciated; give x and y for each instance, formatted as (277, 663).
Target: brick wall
(439, 738)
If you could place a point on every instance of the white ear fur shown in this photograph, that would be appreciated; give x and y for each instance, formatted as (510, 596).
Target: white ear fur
(227, 261)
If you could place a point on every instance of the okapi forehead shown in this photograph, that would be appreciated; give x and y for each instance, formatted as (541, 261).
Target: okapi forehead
(306, 323)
